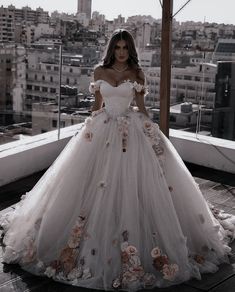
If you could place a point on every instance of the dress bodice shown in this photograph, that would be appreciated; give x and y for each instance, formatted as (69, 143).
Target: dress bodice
(117, 98)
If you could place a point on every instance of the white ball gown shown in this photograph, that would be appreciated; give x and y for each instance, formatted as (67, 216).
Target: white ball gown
(118, 209)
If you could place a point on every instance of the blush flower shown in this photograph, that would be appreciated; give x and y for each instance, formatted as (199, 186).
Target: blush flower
(116, 283)
(124, 257)
(147, 125)
(131, 250)
(156, 252)
(73, 242)
(170, 271)
(160, 261)
(88, 136)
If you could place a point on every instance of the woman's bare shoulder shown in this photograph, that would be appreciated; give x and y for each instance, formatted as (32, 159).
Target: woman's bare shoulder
(138, 76)
(99, 72)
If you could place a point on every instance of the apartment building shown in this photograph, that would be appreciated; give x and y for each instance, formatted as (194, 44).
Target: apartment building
(84, 6)
(28, 15)
(190, 84)
(7, 25)
(42, 79)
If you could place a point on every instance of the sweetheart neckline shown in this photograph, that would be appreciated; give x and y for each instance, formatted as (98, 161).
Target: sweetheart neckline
(123, 82)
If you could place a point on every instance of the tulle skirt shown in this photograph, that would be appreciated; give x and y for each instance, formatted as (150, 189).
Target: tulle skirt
(118, 209)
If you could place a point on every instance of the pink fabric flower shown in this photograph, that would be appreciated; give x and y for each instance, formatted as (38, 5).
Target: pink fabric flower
(170, 271)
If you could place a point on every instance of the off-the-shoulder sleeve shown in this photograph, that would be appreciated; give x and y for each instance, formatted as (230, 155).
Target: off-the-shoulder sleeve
(94, 86)
(140, 88)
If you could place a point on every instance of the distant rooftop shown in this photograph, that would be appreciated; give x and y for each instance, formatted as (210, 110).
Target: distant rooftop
(225, 46)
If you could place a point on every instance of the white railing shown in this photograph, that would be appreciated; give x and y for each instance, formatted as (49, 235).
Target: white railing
(22, 158)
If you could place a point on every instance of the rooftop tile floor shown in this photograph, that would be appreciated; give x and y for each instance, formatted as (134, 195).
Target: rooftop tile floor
(218, 188)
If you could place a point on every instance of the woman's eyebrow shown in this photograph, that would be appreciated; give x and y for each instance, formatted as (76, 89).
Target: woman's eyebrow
(117, 47)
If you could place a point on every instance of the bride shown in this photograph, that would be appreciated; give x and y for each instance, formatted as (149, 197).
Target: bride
(118, 209)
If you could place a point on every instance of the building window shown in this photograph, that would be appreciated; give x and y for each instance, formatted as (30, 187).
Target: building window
(44, 89)
(37, 88)
(56, 68)
(48, 68)
(53, 90)
(54, 123)
(71, 70)
(43, 78)
(51, 78)
(36, 77)
(29, 87)
(67, 81)
(187, 77)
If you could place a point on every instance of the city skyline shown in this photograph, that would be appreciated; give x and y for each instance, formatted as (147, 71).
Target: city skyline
(195, 10)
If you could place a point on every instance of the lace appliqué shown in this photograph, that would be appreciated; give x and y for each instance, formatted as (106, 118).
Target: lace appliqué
(88, 134)
(151, 130)
(123, 127)
(140, 88)
(94, 86)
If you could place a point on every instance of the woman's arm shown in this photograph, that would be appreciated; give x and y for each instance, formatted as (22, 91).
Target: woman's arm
(139, 96)
(98, 103)
(139, 99)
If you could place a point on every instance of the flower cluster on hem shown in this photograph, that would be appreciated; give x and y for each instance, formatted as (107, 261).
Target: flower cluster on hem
(162, 264)
(132, 272)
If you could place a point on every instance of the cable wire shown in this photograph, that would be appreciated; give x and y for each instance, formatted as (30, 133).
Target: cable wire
(182, 7)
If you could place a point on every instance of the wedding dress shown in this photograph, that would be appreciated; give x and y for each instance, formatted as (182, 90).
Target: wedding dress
(117, 209)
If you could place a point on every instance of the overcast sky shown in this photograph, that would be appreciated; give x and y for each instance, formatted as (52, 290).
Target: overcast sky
(220, 11)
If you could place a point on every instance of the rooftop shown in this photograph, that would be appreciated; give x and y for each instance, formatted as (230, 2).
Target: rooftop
(218, 188)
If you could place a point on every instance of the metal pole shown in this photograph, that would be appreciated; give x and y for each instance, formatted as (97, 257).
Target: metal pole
(59, 97)
(165, 83)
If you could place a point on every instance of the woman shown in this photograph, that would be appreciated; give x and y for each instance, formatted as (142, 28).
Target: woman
(118, 209)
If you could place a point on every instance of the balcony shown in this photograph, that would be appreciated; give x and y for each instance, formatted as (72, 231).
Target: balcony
(210, 160)
(22, 163)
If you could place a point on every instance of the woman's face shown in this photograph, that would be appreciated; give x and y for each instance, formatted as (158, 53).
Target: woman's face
(121, 53)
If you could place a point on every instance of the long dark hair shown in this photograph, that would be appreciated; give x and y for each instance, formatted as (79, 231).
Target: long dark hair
(121, 34)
